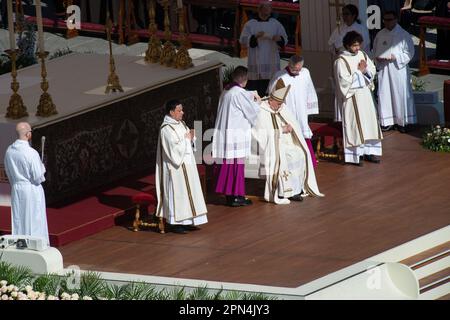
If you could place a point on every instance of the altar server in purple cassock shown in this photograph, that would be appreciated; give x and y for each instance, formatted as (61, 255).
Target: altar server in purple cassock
(237, 113)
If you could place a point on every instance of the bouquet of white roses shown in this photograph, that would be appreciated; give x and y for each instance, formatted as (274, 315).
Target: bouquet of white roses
(437, 139)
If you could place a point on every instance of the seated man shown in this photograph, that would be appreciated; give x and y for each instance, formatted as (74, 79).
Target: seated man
(285, 159)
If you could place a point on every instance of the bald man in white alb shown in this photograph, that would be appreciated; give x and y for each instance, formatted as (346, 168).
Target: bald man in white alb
(25, 172)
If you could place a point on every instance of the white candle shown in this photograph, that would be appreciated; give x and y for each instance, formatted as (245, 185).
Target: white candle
(180, 4)
(40, 26)
(12, 35)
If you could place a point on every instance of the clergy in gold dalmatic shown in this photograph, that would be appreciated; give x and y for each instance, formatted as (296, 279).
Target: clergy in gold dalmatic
(285, 159)
(179, 192)
(355, 73)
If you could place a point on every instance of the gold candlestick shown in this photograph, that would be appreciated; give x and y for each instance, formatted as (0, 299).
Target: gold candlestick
(168, 50)
(153, 53)
(113, 80)
(182, 59)
(46, 107)
(16, 108)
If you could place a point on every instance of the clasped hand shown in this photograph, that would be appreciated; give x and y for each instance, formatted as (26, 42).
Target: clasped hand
(190, 135)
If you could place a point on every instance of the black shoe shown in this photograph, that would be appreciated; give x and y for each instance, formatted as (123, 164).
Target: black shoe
(386, 128)
(178, 229)
(359, 164)
(372, 158)
(233, 201)
(402, 129)
(244, 201)
(297, 197)
(191, 228)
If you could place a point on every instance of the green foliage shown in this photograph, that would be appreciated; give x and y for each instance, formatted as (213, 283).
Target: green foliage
(48, 283)
(139, 291)
(437, 139)
(200, 293)
(26, 43)
(60, 52)
(18, 275)
(418, 84)
(91, 284)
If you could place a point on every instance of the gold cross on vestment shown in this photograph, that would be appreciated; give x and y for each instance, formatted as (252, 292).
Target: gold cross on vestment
(285, 175)
(338, 5)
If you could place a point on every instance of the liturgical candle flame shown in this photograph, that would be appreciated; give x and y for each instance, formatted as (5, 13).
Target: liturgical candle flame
(40, 26)
(12, 36)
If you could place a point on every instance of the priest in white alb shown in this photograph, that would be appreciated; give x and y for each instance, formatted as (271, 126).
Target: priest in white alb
(178, 188)
(355, 73)
(393, 50)
(302, 98)
(25, 172)
(263, 37)
(285, 159)
(236, 115)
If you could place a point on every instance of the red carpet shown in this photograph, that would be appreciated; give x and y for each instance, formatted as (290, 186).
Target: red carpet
(87, 216)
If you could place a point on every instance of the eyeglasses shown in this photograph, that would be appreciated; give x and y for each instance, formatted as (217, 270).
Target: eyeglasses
(389, 19)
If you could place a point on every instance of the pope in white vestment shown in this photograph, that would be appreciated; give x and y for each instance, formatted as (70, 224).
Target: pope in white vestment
(393, 50)
(25, 172)
(361, 131)
(179, 192)
(285, 160)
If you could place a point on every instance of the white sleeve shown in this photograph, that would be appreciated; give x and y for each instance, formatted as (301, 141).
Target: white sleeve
(403, 57)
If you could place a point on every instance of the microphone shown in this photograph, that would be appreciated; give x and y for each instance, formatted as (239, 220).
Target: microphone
(42, 148)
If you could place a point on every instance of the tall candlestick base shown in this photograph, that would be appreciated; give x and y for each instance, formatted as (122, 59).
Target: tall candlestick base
(16, 108)
(153, 53)
(168, 54)
(182, 59)
(113, 83)
(46, 107)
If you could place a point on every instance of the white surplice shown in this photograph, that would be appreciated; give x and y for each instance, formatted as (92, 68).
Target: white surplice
(396, 101)
(302, 97)
(25, 172)
(335, 42)
(361, 131)
(285, 159)
(264, 59)
(236, 115)
(178, 188)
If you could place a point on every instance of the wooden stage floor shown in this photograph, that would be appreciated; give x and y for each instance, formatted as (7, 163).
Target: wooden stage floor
(366, 210)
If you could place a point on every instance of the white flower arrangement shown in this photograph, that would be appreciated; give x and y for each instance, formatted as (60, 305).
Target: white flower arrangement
(12, 292)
